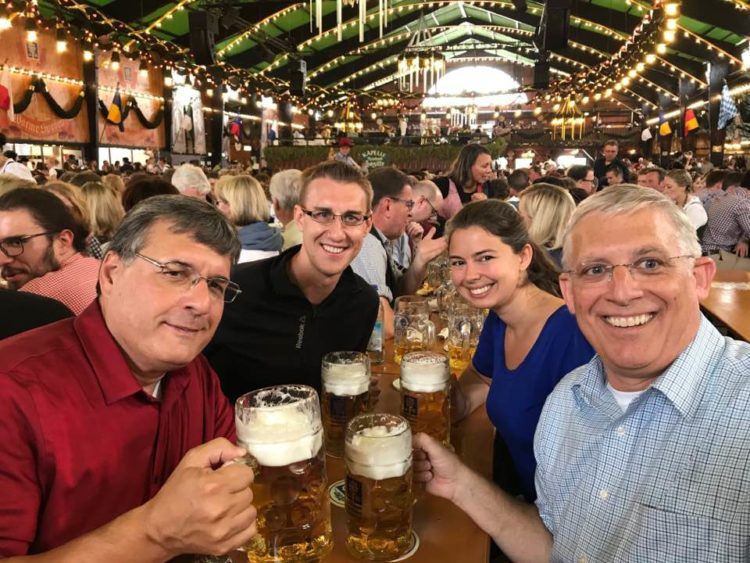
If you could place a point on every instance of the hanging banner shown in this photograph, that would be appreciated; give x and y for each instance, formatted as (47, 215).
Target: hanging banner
(141, 104)
(188, 127)
(24, 61)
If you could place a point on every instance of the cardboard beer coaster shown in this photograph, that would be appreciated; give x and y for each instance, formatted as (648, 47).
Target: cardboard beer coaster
(412, 549)
(337, 493)
(397, 384)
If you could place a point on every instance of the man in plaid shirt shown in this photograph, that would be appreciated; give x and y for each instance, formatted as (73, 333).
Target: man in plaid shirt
(728, 226)
(642, 453)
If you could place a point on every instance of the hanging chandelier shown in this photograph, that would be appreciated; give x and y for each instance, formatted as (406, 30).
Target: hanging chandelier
(568, 122)
(316, 15)
(420, 66)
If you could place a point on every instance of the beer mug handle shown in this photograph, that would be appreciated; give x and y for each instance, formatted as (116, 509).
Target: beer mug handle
(465, 331)
(430, 326)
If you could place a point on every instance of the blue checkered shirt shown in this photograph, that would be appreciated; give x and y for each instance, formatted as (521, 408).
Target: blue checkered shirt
(668, 480)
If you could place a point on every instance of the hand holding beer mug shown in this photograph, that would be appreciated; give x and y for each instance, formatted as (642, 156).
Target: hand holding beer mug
(378, 486)
(346, 384)
(413, 329)
(425, 394)
(281, 430)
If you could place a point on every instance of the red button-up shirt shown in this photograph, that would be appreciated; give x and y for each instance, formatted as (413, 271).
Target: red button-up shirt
(80, 441)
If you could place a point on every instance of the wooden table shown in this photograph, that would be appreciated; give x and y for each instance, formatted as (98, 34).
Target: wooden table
(445, 532)
(730, 306)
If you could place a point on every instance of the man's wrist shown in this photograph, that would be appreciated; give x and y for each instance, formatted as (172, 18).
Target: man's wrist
(154, 539)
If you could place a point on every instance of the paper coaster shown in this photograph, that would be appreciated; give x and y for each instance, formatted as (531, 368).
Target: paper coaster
(412, 549)
(337, 493)
(397, 384)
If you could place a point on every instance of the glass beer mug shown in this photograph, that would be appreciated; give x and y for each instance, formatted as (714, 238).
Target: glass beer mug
(425, 394)
(464, 327)
(413, 330)
(379, 499)
(281, 430)
(346, 393)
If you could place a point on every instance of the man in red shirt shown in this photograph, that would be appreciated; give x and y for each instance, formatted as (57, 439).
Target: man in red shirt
(115, 433)
(42, 249)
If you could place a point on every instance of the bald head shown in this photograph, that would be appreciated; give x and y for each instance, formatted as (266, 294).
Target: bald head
(427, 200)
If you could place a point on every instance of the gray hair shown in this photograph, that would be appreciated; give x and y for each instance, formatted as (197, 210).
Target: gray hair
(427, 188)
(189, 176)
(185, 215)
(625, 199)
(285, 188)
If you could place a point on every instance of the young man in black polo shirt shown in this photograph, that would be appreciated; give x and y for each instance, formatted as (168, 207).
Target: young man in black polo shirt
(306, 302)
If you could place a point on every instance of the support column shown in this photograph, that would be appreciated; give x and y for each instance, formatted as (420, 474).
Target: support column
(91, 149)
(217, 126)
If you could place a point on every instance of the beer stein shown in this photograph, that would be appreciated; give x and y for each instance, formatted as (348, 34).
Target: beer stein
(379, 499)
(345, 380)
(413, 330)
(425, 394)
(280, 428)
(464, 327)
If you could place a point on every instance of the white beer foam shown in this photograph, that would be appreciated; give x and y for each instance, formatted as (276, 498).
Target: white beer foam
(424, 372)
(379, 452)
(282, 435)
(346, 379)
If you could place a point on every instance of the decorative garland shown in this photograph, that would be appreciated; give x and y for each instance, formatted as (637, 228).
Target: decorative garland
(133, 105)
(38, 86)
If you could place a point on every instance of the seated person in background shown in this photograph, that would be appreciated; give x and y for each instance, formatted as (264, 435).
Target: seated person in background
(191, 181)
(641, 453)
(546, 210)
(106, 416)
(652, 177)
(712, 183)
(678, 186)
(138, 189)
(392, 203)
(529, 340)
(614, 175)
(466, 179)
(428, 201)
(242, 200)
(306, 302)
(728, 226)
(42, 249)
(518, 181)
(285, 187)
(23, 311)
(584, 178)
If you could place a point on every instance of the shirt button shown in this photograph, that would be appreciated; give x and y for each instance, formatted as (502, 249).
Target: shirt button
(620, 430)
(582, 558)
(604, 494)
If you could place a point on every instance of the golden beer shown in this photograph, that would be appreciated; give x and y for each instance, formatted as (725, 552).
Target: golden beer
(379, 497)
(346, 393)
(280, 428)
(460, 357)
(412, 328)
(425, 394)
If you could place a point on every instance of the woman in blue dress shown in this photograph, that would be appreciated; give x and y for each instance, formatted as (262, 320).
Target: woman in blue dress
(529, 340)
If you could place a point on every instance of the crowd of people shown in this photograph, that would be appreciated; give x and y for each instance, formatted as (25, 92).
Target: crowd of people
(619, 407)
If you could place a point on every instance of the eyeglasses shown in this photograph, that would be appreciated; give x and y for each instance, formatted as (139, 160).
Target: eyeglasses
(409, 203)
(326, 217)
(643, 269)
(434, 211)
(13, 246)
(184, 277)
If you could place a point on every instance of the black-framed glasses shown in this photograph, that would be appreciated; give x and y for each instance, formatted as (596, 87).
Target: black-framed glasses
(184, 277)
(13, 246)
(326, 217)
(409, 203)
(644, 269)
